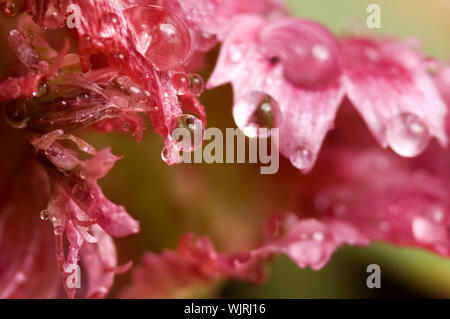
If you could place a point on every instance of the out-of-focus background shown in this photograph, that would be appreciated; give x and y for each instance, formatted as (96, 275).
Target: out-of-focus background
(230, 202)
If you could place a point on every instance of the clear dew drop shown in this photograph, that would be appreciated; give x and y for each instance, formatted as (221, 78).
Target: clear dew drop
(196, 84)
(302, 158)
(308, 52)
(255, 113)
(407, 134)
(187, 133)
(180, 83)
(165, 154)
(160, 36)
(17, 112)
(44, 214)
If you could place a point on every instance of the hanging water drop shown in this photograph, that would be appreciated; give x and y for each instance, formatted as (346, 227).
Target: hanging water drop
(302, 158)
(160, 36)
(255, 113)
(407, 135)
(180, 83)
(187, 133)
(165, 154)
(196, 84)
(309, 52)
(17, 112)
(44, 214)
(14, 7)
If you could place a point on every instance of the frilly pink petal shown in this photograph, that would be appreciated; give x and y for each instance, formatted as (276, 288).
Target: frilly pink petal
(307, 114)
(389, 84)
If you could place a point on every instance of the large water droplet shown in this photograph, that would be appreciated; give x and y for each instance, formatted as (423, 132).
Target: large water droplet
(160, 35)
(407, 134)
(14, 7)
(126, 93)
(187, 132)
(302, 158)
(180, 83)
(255, 113)
(17, 112)
(309, 52)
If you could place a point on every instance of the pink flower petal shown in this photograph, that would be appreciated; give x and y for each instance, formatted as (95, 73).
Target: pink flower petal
(390, 86)
(27, 264)
(306, 114)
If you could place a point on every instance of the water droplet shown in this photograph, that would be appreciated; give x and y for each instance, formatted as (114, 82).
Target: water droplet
(407, 134)
(187, 133)
(165, 154)
(17, 112)
(14, 7)
(309, 52)
(160, 36)
(180, 83)
(42, 90)
(196, 84)
(255, 113)
(44, 214)
(302, 158)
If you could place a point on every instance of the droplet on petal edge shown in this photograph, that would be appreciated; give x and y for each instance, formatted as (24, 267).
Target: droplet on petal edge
(302, 158)
(44, 214)
(196, 84)
(255, 113)
(309, 52)
(180, 83)
(187, 133)
(407, 134)
(160, 35)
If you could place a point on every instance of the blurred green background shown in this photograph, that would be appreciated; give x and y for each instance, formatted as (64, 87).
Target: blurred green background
(230, 202)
